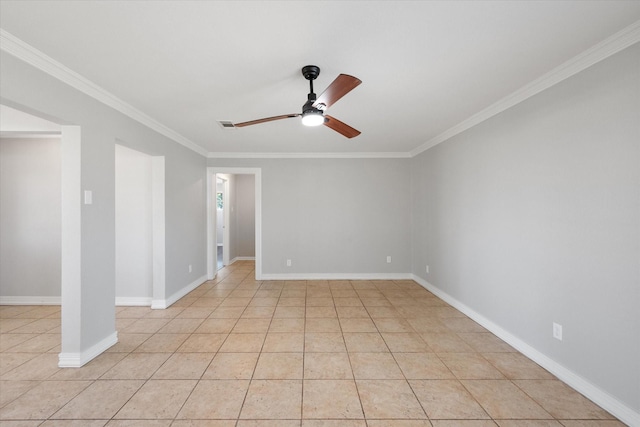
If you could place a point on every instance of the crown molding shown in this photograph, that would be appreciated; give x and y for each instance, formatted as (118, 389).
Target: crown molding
(609, 46)
(32, 56)
(229, 155)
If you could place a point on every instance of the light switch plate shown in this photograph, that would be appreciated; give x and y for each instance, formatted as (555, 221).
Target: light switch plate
(557, 331)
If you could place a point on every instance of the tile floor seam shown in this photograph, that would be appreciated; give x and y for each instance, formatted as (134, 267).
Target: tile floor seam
(479, 403)
(556, 380)
(411, 388)
(417, 400)
(253, 373)
(68, 401)
(531, 397)
(364, 415)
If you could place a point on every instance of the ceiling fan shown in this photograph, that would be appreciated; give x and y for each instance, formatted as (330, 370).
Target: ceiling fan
(313, 111)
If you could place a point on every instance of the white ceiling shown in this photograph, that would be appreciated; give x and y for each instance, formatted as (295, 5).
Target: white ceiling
(425, 66)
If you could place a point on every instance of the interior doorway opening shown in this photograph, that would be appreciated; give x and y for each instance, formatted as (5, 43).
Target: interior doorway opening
(222, 220)
(228, 215)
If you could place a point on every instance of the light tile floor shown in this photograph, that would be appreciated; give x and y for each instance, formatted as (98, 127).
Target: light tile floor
(237, 352)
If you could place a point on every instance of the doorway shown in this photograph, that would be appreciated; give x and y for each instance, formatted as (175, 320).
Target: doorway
(222, 220)
(17, 120)
(212, 221)
(30, 209)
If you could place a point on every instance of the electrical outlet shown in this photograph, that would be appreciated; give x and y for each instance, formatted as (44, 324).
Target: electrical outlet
(288, 263)
(190, 268)
(389, 259)
(427, 269)
(557, 331)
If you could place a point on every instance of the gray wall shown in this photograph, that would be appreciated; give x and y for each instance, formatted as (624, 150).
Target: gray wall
(340, 216)
(101, 127)
(533, 217)
(30, 217)
(244, 231)
(186, 216)
(233, 218)
(97, 237)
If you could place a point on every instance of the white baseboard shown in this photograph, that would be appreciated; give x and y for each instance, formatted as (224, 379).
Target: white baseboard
(338, 276)
(592, 392)
(164, 303)
(30, 300)
(77, 360)
(242, 258)
(133, 301)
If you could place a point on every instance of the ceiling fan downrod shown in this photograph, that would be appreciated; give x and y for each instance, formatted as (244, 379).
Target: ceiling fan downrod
(311, 72)
(311, 115)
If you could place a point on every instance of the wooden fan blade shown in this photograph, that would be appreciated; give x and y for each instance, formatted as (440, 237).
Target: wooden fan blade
(342, 85)
(266, 119)
(340, 127)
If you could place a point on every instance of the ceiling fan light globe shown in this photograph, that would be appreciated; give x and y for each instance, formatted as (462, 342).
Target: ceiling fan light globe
(312, 119)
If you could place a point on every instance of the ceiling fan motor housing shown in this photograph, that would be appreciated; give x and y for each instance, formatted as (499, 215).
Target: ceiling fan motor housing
(310, 72)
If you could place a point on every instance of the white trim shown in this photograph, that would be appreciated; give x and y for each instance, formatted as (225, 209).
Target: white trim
(77, 360)
(211, 231)
(338, 276)
(226, 219)
(164, 303)
(381, 155)
(611, 45)
(592, 392)
(32, 56)
(71, 242)
(242, 258)
(22, 300)
(258, 225)
(158, 237)
(133, 301)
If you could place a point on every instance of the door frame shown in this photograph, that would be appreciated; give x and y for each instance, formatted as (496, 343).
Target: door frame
(212, 252)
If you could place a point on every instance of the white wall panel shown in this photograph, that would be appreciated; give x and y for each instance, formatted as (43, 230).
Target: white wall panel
(134, 239)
